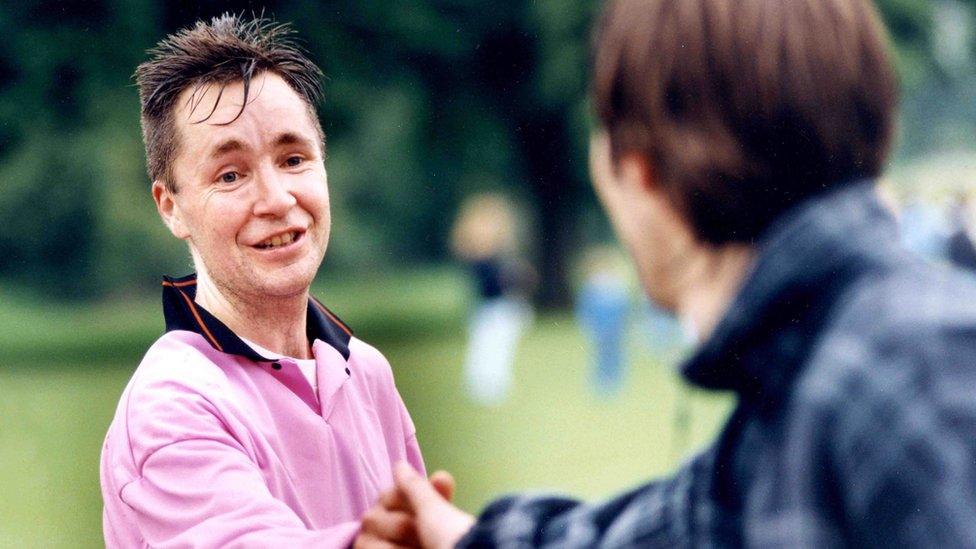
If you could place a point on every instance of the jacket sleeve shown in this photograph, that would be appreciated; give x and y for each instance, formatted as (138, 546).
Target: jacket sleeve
(658, 514)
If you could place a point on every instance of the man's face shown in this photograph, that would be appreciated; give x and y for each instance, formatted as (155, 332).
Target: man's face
(643, 219)
(252, 198)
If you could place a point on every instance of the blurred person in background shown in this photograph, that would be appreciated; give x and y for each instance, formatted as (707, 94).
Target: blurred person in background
(603, 306)
(485, 237)
(961, 247)
(257, 419)
(923, 227)
(736, 155)
(662, 332)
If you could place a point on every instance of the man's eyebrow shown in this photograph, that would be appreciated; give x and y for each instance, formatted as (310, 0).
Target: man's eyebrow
(228, 146)
(235, 145)
(291, 138)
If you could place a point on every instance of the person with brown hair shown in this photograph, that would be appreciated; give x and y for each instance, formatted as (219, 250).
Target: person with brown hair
(736, 154)
(257, 419)
(485, 237)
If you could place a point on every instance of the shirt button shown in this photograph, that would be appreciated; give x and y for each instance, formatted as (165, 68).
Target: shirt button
(347, 371)
(276, 366)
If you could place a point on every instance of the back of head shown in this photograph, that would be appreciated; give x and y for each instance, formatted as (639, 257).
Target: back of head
(228, 49)
(744, 108)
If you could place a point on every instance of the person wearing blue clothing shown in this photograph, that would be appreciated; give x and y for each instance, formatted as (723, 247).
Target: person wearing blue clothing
(662, 332)
(924, 231)
(961, 250)
(738, 147)
(603, 307)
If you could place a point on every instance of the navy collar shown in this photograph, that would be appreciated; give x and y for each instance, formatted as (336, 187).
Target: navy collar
(805, 261)
(182, 313)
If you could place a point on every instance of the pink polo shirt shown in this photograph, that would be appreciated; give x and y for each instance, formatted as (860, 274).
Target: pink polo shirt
(213, 445)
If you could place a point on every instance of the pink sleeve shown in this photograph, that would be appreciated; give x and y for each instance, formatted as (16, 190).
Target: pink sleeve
(205, 493)
(196, 485)
(413, 455)
(412, 448)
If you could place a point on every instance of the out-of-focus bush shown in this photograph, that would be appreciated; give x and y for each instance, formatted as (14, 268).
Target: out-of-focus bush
(426, 102)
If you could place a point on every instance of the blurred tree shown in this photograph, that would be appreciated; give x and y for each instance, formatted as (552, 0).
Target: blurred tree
(465, 99)
(49, 222)
(427, 101)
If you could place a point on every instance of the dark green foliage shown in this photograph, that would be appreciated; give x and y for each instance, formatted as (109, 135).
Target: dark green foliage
(50, 225)
(426, 102)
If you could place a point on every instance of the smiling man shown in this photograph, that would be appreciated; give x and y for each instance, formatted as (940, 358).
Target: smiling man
(257, 419)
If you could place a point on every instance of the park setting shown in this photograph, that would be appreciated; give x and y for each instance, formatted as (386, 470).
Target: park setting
(568, 439)
(427, 106)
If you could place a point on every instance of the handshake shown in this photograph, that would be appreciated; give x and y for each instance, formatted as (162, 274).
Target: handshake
(414, 513)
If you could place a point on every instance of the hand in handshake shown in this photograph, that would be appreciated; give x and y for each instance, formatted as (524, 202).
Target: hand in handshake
(415, 513)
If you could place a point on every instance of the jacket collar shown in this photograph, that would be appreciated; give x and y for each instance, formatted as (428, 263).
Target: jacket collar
(804, 262)
(182, 313)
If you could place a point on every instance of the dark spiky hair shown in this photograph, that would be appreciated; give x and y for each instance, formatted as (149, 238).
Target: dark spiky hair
(228, 49)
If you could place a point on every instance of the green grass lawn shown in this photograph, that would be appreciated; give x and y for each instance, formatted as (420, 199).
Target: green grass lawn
(551, 434)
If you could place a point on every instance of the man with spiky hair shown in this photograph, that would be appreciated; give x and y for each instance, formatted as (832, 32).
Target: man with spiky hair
(257, 419)
(738, 146)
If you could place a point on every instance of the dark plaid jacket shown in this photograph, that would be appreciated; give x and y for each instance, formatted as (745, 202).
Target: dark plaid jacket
(854, 365)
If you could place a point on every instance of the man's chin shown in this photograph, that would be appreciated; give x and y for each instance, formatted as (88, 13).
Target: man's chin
(660, 298)
(288, 287)
(283, 283)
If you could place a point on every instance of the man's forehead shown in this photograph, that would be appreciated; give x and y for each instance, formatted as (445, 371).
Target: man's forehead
(222, 102)
(215, 113)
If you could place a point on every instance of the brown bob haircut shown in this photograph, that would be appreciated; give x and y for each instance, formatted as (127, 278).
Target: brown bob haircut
(228, 49)
(743, 108)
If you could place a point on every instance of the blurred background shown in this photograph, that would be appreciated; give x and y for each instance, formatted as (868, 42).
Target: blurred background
(428, 103)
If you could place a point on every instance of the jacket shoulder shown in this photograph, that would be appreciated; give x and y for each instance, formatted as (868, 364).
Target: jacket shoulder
(907, 329)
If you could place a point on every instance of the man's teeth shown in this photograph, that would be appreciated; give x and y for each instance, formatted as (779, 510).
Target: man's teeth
(279, 240)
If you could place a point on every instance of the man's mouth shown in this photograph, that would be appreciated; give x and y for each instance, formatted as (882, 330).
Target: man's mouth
(279, 240)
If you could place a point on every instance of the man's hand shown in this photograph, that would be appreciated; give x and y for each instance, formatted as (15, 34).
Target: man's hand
(416, 513)
(438, 524)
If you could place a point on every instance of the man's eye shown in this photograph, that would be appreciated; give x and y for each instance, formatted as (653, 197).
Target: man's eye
(229, 177)
(293, 161)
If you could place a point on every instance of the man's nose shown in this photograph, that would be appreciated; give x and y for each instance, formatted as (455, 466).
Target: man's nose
(274, 194)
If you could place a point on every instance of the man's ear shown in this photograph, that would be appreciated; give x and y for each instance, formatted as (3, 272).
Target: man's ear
(169, 210)
(635, 171)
